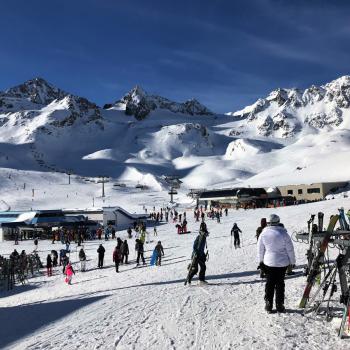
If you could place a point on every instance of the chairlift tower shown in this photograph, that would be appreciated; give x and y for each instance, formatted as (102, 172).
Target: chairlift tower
(174, 182)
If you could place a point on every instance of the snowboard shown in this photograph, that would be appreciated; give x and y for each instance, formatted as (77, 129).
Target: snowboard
(154, 257)
(315, 267)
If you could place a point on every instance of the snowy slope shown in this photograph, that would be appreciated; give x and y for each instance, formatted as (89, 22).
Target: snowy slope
(149, 308)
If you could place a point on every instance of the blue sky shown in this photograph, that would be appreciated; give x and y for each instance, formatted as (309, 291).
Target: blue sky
(226, 53)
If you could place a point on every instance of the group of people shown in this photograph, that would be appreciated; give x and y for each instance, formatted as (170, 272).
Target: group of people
(275, 253)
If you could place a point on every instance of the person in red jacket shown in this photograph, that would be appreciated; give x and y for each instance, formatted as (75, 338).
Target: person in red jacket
(116, 258)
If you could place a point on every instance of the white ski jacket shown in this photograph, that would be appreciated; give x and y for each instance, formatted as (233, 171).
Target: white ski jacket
(275, 247)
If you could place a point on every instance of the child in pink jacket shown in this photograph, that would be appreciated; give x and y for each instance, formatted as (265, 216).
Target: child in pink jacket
(69, 271)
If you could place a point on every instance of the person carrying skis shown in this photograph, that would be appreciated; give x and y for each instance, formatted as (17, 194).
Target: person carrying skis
(139, 249)
(275, 252)
(49, 265)
(101, 254)
(82, 258)
(263, 224)
(160, 252)
(116, 258)
(69, 271)
(199, 257)
(235, 233)
(125, 252)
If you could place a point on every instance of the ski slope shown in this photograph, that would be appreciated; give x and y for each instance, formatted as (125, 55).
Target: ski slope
(150, 308)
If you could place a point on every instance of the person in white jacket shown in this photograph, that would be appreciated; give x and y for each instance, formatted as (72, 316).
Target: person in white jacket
(275, 254)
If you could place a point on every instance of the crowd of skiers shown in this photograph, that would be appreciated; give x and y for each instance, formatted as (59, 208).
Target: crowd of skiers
(274, 249)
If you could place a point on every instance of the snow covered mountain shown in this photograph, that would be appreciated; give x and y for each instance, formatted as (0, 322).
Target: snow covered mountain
(139, 104)
(286, 112)
(291, 136)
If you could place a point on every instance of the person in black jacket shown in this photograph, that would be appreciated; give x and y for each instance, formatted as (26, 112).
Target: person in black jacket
(82, 258)
(49, 265)
(199, 257)
(139, 249)
(101, 254)
(160, 252)
(235, 232)
(125, 252)
(54, 256)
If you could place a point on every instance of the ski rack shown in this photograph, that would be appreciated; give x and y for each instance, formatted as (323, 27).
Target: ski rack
(328, 271)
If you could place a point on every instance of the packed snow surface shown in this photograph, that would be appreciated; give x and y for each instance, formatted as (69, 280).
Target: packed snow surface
(150, 308)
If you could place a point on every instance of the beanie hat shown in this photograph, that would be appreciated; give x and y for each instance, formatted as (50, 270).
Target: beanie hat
(274, 219)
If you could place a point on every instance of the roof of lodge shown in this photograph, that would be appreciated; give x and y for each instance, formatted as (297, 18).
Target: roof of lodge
(233, 192)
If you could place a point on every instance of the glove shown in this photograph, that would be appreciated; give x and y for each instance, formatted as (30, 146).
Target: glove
(262, 266)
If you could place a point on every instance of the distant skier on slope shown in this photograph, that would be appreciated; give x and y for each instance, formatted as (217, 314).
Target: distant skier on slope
(275, 252)
(140, 250)
(235, 233)
(101, 253)
(69, 271)
(160, 252)
(82, 258)
(116, 258)
(199, 257)
(263, 224)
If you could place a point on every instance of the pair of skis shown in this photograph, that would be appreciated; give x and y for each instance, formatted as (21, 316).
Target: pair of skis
(317, 261)
(312, 229)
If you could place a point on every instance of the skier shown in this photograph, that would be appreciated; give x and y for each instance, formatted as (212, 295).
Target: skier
(36, 242)
(54, 256)
(155, 233)
(263, 224)
(99, 233)
(49, 265)
(139, 249)
(69, 271)
(119, 243)
(82, 258)
(198, 258)
(101, 253)
(217, 217)
(235, 232)
(108, 231)
(125, 252)
(129, 231)
(116, 258)
(160, 252)
(275, 252)
(203, 227)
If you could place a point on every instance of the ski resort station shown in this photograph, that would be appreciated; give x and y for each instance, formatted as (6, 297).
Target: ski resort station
(247, 197)
(41, 223)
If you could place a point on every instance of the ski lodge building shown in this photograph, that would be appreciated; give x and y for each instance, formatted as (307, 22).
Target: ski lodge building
(271, 197)
(311, 192)
(42, 222)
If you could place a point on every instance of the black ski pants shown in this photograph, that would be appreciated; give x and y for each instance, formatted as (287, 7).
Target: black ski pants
(237, 241)
(275, 281)
(194, 269)
(100, 260)
(117, 265)
(124, 258)
(140, 255)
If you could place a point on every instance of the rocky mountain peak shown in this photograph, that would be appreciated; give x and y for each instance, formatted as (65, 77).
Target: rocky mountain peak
(36, 90)
(138, 103)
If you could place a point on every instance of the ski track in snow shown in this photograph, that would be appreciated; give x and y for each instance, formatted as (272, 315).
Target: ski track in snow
(150, 308)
